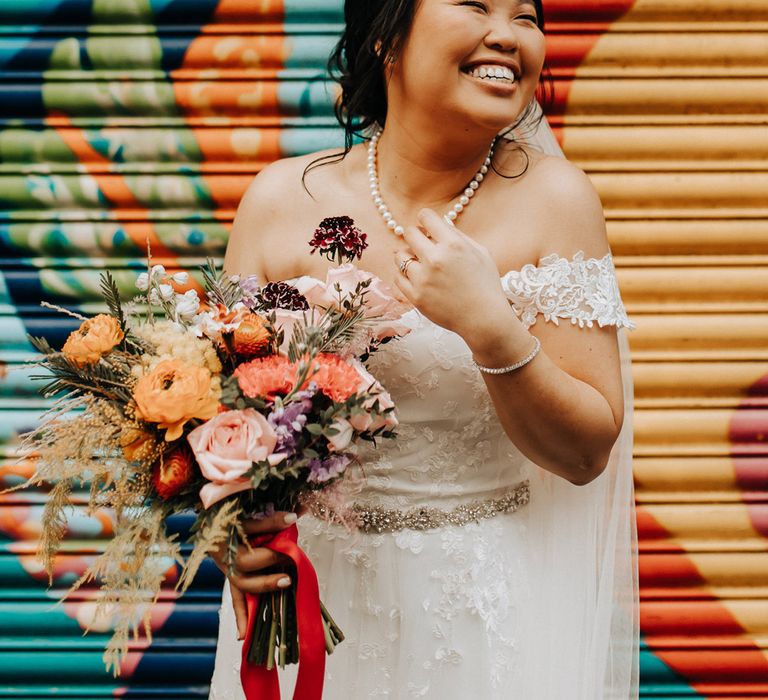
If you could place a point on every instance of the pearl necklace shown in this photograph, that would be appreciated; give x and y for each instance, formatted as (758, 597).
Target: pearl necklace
(453, 212)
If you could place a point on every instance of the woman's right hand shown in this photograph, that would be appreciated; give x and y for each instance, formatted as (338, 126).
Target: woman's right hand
(245, 578)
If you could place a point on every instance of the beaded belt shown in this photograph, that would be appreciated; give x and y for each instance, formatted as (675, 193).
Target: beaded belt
(374, 519)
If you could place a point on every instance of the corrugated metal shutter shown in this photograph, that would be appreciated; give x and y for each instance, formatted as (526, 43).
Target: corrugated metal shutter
(123, 120)
(667, 113)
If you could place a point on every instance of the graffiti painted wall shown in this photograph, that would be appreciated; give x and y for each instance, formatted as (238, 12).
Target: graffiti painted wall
(127, 121)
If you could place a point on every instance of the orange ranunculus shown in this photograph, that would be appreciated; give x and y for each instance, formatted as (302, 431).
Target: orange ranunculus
(251, 337)
(336, 378)
(95, 337)
(173, 472)
(266, 376)
(173, 393)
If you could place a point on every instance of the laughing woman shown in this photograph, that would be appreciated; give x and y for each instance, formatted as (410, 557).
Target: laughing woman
(518, 578)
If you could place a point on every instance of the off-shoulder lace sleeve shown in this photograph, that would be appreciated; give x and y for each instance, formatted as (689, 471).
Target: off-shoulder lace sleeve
(583, 290)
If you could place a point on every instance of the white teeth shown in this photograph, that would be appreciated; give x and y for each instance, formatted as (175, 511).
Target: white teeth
(493, 72)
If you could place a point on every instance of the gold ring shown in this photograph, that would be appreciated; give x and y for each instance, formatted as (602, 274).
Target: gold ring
(404, 265)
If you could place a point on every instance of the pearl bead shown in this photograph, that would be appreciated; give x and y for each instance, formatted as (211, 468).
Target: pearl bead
(449, 217)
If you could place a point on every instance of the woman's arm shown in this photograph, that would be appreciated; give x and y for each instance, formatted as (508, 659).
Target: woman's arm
(563, 410)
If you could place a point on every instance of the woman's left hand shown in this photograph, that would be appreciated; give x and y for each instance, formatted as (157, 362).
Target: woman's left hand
(454, 280)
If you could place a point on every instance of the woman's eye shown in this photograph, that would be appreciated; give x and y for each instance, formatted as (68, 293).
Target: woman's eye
(528, 18)
(473, 3)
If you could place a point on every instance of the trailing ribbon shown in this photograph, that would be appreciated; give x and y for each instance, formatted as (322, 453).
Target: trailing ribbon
(261, 684)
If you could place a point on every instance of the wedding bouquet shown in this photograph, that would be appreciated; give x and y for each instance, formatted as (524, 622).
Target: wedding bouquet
(246, 401)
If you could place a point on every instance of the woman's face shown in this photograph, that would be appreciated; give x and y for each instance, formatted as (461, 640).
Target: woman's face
(478, 59)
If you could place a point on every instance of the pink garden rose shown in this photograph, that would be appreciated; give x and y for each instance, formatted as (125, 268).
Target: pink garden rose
(286, 319)
(369, 384)
(226, 447)
(381, 306)
(379, 300)
(315, 291)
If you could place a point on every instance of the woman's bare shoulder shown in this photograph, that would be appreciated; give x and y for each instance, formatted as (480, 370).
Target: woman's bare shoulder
(567, 209)
(275, 207)
(280, 182)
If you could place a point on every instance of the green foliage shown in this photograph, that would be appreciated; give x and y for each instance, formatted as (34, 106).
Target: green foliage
(111, 295)
(221, 288)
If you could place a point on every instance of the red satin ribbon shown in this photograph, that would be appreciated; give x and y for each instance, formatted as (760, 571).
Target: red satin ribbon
(258, 682)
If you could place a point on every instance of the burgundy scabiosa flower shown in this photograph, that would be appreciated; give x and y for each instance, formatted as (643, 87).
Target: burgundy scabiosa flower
(338, 239)
(280, 295)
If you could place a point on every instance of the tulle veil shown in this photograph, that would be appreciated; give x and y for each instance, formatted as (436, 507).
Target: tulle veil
(581, 631)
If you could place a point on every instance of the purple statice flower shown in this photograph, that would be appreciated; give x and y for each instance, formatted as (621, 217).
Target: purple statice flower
(288, 421)
(322, 470)
(338, 239)
(280, 295)
(250, 288)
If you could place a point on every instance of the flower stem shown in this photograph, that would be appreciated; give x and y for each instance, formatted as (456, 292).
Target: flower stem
(331, 623)
(283, 651)
(272, 636)
(329, 645)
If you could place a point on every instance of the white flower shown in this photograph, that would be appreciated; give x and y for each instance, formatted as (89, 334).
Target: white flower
(204, 324)
(142, 282)
(154, 299)
(187, 304)
(180, 277)
(157, 271)
(343, 436)
(234, 279)
(166, 292)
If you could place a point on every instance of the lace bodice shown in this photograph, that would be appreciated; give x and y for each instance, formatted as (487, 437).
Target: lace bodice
(451, 447)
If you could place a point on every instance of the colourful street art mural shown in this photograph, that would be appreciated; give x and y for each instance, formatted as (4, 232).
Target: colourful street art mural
(124, 122)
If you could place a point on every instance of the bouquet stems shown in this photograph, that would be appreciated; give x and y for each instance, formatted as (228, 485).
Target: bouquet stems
(276, 630)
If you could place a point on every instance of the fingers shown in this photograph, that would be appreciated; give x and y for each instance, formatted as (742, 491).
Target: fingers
(261, 584)
(418, 242)
(435, 225)
(258, 559)
(241, 610)
(405, 286)
(272, 523)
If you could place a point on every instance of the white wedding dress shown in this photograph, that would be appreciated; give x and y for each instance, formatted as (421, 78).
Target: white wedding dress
(535, 604)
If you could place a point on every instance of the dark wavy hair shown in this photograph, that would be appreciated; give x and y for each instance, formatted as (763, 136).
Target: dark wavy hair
(374, 32)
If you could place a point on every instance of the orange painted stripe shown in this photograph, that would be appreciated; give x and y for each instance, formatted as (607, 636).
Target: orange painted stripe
(112, 186)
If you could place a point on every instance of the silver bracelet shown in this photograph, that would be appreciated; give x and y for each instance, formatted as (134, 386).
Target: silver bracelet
(517, 365)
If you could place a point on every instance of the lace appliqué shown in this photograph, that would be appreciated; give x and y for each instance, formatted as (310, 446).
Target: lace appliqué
(583, 290)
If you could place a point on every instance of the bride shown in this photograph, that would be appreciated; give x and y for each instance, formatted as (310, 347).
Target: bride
(512, 387)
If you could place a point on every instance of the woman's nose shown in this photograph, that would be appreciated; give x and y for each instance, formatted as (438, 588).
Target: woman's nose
(501, 36)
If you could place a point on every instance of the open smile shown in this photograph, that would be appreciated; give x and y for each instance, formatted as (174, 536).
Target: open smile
(500, 79)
